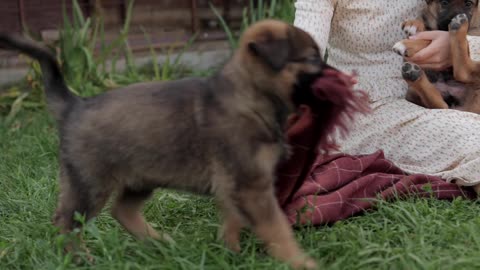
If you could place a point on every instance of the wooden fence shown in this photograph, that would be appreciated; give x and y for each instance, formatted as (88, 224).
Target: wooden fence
(168, 21)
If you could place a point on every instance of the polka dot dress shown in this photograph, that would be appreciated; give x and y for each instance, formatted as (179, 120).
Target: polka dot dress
(359, 35)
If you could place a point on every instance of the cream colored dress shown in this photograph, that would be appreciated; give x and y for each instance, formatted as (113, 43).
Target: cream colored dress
(359, 35)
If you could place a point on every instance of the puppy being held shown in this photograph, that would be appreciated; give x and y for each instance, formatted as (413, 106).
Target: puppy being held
(222, 135)
(457, 87)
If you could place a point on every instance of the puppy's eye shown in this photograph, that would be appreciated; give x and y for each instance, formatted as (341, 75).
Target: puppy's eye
(469, 3)
(312, 59)
(445, 3)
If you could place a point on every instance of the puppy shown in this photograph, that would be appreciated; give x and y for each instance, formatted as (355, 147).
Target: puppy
(222, 135)
(455, 87)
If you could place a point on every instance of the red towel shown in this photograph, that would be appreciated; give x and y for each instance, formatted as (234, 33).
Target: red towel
(314, 188)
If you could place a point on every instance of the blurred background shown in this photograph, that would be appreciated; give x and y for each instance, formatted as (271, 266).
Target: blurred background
(104, 44)
(169, 22)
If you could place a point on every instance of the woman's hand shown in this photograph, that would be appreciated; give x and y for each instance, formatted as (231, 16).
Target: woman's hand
(435, 56)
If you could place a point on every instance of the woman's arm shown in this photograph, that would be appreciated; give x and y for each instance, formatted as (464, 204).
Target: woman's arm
(315, 17)
(437, 54)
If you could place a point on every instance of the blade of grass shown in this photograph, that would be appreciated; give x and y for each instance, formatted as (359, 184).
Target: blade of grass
(78, 17)
(184, 49)
(156, 70)
(230, 36)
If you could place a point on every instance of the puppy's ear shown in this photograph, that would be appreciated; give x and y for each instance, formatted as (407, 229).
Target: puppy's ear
(274, 52)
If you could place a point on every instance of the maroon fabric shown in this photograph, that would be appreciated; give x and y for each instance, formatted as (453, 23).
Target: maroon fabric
(334, 105)
(340, 186)
(315, 188)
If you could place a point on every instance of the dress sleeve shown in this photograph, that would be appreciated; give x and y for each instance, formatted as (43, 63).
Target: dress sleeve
(315, 17)
(474, 44)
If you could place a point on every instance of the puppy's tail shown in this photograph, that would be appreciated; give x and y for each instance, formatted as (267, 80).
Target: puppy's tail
(57, 93)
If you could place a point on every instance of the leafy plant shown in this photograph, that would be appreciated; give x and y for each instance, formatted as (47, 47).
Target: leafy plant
(169, 69)
(26, 94)
(89, 62)
(84, 69)
(85, 72)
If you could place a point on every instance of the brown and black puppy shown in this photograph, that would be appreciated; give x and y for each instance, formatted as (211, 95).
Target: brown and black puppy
(222, 135)
(448, 88)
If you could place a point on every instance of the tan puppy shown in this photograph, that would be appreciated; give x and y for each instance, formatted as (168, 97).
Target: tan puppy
(455, 88)
(222, 135)
(448, 88)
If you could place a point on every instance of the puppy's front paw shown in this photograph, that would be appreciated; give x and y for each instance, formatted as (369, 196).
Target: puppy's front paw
(411, 72)
(459, 21)
(412, 27)
(400, 48)
(166, 238)
(305, 264)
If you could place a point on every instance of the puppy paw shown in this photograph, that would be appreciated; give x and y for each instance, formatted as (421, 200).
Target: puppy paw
(411, 72)
(230, 234)
(305, 264)
(410, 30)
(166, 238)
(83, 259)
(458, 21)
(412, 27)
(233, 246)
(310, 264)
(400, 48)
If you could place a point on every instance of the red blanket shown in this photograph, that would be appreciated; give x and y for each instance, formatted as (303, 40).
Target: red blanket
(313, 188)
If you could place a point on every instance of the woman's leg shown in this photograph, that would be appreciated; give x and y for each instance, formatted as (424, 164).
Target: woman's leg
(443, 143)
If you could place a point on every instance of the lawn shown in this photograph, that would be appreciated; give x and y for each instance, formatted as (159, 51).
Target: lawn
(412, 234)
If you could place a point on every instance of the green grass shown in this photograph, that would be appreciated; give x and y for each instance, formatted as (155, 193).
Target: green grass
(412, 234)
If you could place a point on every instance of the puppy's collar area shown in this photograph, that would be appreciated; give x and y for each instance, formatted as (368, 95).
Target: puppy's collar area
(276, 129)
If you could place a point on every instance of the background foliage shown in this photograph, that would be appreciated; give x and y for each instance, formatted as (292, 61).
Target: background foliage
(89, 72)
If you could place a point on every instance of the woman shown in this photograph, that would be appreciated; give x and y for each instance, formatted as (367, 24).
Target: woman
(359, 35)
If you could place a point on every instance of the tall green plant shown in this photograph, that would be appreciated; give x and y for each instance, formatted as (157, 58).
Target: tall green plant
(89, 70)
(85, 72)
(85, 69)
(169, 68)
(75, 49)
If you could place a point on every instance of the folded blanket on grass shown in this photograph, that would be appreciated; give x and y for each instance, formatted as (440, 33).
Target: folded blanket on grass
(341, 186)
(315, 187)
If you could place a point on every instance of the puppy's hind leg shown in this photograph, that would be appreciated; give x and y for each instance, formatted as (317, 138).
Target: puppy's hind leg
(127, 210)
(417, 80)
(77, 195)
(233, 223)
(464, 68)
(260, 208)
